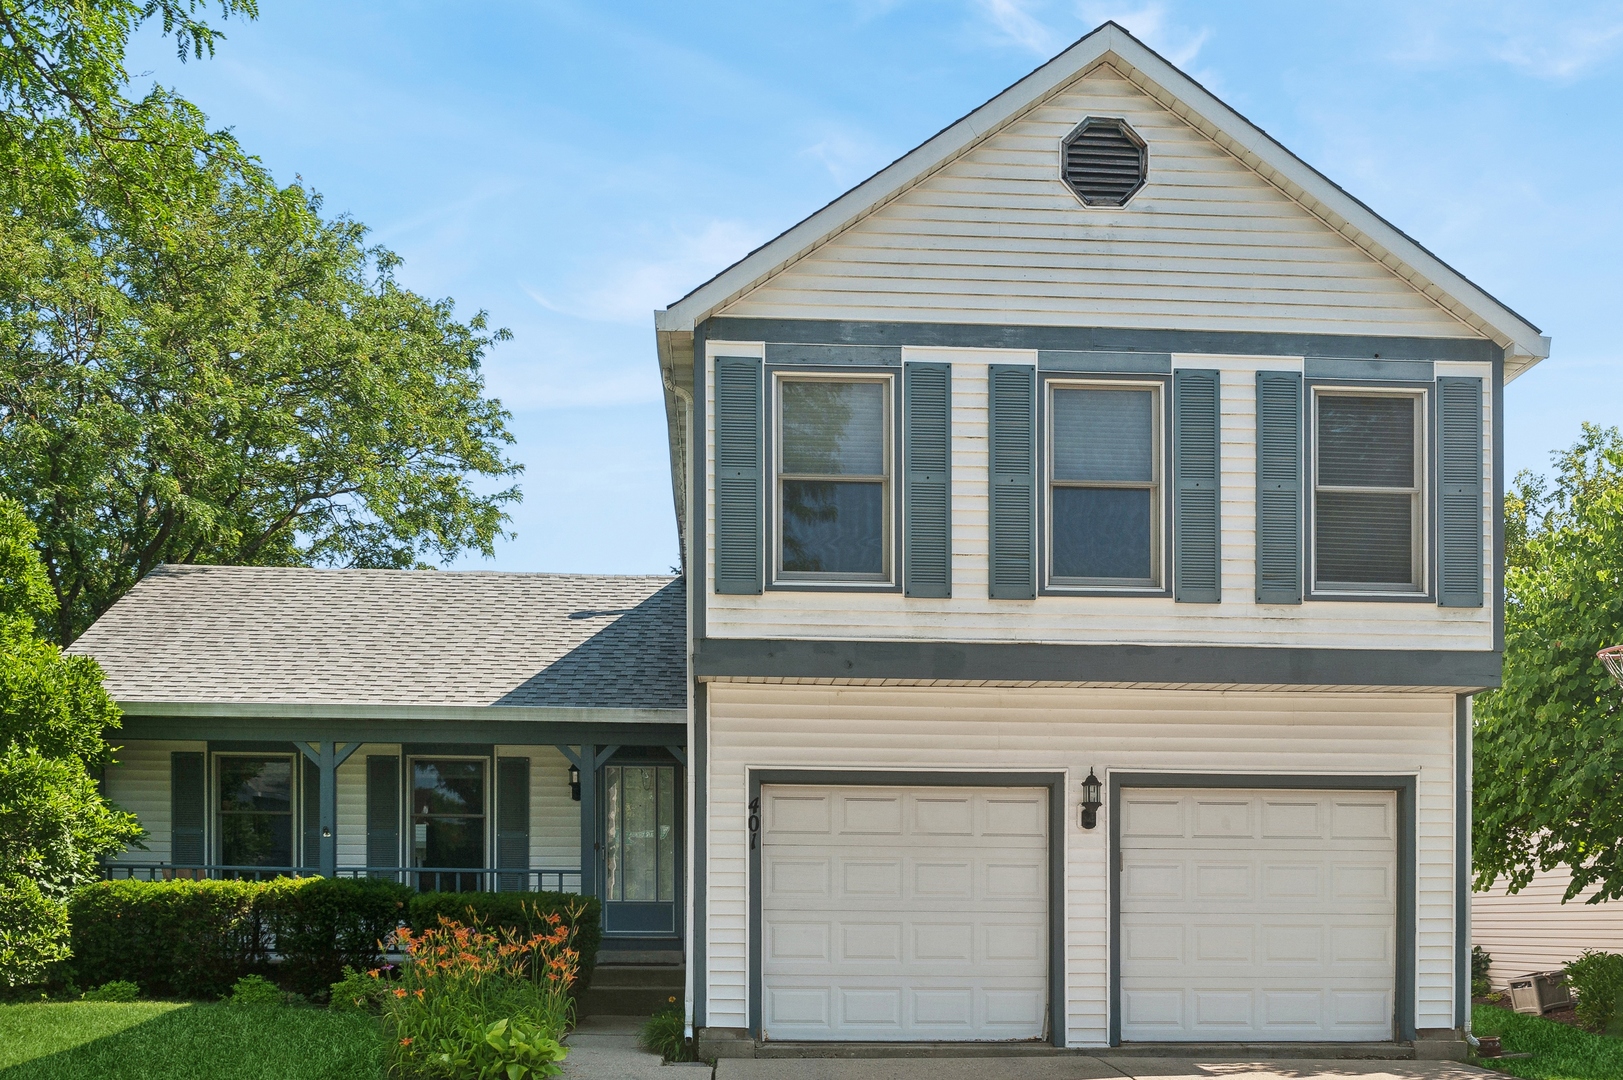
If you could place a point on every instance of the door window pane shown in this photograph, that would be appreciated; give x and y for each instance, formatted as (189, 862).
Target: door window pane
(640, 829)
(1104, 492)
(256, 811)
(448, 820)
(832, 478)
(1367, 488)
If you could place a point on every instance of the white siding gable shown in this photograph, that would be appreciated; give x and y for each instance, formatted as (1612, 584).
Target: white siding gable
(996, 237)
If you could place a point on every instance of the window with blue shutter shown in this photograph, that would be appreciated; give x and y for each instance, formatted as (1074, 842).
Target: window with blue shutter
(833, 495)
(512, 822)
(1369, 518)
(1279, 487)
(382, 811)
(1197, 498)
(1459, 498)
(310, 806)
(1104, 484)
(188, 807)
(1013, 406)
(739, 452)
(927, 546)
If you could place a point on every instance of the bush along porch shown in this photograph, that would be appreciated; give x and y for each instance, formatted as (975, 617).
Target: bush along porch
(394, 734)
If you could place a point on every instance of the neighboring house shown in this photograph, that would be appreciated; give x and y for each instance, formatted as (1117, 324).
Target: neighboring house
(1098, 436)
(358, 722)
(1534, 931)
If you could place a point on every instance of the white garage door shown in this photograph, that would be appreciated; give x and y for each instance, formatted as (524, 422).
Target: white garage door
(1258, 914)
(904, 913)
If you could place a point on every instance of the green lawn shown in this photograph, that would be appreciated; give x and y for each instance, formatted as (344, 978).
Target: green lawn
(156, 1040)
(1559, 1052)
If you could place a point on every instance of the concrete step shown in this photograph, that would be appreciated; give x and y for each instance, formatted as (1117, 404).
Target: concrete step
(632, 990)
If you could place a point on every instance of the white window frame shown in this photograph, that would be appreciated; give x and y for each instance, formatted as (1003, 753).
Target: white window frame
(885, 579)
(1420, 494)
(1157, 487)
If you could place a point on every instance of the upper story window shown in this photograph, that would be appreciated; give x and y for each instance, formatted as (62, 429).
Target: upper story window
(1104, 485)
(1369, 519)
(833, 475)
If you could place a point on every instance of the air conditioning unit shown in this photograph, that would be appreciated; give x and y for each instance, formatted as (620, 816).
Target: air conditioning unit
(1540, 992)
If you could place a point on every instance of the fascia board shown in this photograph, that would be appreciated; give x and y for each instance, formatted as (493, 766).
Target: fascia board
(340, 711)
(879, 189)
(1186, 98)
(1300, 181)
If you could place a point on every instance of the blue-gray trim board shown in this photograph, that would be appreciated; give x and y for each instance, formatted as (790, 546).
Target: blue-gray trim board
(1054, 782)
(1026, 662)
(1091, 339)
(699, 754)
(1462, 858)
(450, 732)
(1404, 786)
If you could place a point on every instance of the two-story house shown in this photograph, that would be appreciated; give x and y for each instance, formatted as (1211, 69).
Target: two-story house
(1092, 528)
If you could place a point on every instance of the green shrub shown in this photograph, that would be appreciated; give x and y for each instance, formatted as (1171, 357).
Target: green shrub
(117, 990)
(1481, 962)
(523, 912)
(254, 990)
(324, 925)
(357, 991)
(195, 939)
(508, 1049)
(663, 1033)
(1597, 977)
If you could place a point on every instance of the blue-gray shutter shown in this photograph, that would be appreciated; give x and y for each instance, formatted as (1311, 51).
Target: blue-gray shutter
(188, 807)
(512, 822)
(1013, 406)
(382, 811)
(739, 472)
(927, 426)
(1197, 490)
(1279, 487)
(311, 805)
(1459, 498)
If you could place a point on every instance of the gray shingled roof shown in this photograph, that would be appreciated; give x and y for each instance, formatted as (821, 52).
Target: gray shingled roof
(394, 637)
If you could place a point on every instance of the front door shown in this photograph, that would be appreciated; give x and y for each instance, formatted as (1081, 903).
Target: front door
(639, 850)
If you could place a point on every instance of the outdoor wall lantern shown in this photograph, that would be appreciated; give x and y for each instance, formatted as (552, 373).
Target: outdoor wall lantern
(326, 831)
(1090, 801)
(574, 782)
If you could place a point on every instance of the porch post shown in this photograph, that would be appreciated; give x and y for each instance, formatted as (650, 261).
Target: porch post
(588, 819)
(327, 756)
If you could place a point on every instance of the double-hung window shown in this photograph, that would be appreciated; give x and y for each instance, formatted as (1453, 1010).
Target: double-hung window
(256, 811)
(1369, 470)
(833, 470)
(1104, 485)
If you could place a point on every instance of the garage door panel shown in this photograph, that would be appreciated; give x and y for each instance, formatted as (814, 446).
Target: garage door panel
(938, 930)
(1272, 915)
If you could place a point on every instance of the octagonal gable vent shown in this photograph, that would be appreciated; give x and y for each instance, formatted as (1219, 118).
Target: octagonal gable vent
(1104, 161)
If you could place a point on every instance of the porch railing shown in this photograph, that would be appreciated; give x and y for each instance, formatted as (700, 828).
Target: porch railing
(423, 878)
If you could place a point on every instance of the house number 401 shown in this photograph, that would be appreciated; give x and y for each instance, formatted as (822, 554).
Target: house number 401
(755, 820)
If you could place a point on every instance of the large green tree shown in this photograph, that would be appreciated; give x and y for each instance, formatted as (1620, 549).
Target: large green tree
(54, 716)
(196, 365)
(1549, 742)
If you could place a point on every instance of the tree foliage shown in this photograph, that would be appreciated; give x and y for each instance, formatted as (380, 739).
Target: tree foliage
(1549, 742)
(195, 364)
(54, 715)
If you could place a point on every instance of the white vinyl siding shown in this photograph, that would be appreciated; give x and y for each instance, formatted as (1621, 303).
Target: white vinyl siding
(352, 802)
(969, 615)
(986, 729)
(139, 783)
(554, 816)
(996, 237)
(1268, 915)
(1534, 931)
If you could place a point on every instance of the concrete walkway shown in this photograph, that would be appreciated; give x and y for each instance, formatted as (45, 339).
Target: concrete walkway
(1086, 1068)
(605, 1048)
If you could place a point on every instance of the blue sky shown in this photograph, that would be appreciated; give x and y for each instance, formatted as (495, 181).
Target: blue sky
(571, 166)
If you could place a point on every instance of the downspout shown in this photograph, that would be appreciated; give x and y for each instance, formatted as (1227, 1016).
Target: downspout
(687, 532)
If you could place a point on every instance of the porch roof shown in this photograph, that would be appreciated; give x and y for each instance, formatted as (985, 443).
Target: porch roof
(376, 638)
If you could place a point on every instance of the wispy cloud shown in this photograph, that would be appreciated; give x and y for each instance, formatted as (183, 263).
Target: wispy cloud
(1555, 43)
(1016, 25)
(1149, 23)
(629, 290)
(848, 153)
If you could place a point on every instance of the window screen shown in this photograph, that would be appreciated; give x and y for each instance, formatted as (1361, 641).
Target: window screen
(833, 473)
(1104, 486)
(1368, 519)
